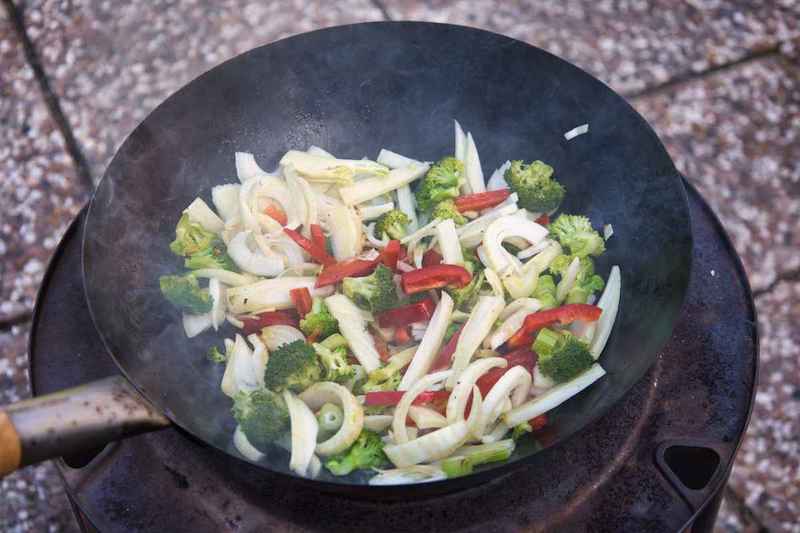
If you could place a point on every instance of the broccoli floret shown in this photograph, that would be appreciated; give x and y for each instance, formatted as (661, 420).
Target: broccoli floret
(375, 384)
(471, 261)
(545, 292)
(215, 256)
(263, 416)
(185, 293)
(376, 292)
(447, 209)
(394, 224)
(575, 233)
(451, 330)
(215, 355)
(319, 323)
(562, 356)
(366, 452)
(521, 429)
(535, 186)
(292, 366)
(465, 297)
(586, 283)
(334, 364)
(440, 183)
(190, 237)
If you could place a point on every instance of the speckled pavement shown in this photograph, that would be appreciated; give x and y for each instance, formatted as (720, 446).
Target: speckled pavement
(719, 81)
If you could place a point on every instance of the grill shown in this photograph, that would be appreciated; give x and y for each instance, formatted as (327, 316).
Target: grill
(656, 462)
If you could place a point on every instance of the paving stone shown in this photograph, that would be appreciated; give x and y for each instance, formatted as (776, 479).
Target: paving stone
(735, 135)
(630, 44)
(39, 189)
(112, 62)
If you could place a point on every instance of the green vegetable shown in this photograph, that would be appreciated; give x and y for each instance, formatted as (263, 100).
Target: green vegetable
(440, 183)
(185, 293)
(394, 224)
(366, 452)
(334, 341)
(334, 363)
(292, 366)
(471, 261)
(520, 430)
(586, 283)
(471, 456)
(377, 385)
(376, 292)
(451, 330)
(535, 186)
(447, 209)
(562, 356)
(319, 323)
(263, 416)
(215, 256)
(545, 292)
(330, 417)
(465, 297)
(215, 355)
(202, 248)
(576, 235)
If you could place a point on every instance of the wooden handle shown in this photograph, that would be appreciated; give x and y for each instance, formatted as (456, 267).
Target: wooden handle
(10, 446)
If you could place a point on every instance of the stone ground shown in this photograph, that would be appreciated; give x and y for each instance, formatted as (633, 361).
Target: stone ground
(718, 80)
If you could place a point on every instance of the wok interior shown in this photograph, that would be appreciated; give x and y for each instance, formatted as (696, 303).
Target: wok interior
(353, 90)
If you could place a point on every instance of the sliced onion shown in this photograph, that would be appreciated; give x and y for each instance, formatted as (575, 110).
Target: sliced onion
(316, 150)
(568, 281)
(324, 392)
(246, 166)
(514, 384)
(194, 325)
(472, 232)
(276, 336)
(369, 231)
(474, 419)
(461, 152)
(574, 132)
(394, 160)
(404, 267)
(541, 382)
(304, 434)
(266, 188)
(512, 324)
(244, 366)
(502, 229)
(226, 201)
(270, 294)
(457, 402)
(608, 231)
(354, 328)
(200, 213)
(299, 205)
(401, 410)
(225, 276)
(472, 166)
(373, 187)
(494, 282)
(234, 321)
(533, 250)
(496, 433)
(371, 212)
(408, 475)
(431, 447)
(609, 303)
(347, 238)
(377, 423)
(217, 292)
(407, 204)
(259, 357)
(426, 418)
(430, 344)
(478, 326)
(497, 181)
(554, 397)
(244, 447)
(448, 243)
(252, 262)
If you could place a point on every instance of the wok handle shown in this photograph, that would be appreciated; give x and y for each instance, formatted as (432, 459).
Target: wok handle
(73, 420)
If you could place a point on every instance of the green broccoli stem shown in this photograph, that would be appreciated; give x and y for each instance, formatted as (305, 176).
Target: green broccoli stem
(471, 456)
(545, 342)
(334, 341)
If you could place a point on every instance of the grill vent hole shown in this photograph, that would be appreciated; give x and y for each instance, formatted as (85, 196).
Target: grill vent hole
(694, 466)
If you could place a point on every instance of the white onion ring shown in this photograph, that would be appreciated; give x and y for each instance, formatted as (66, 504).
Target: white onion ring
(304, 434)
(324, 392)
(457, 402)
(401, 411)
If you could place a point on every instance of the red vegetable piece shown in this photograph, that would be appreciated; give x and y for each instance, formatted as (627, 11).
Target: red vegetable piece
(351, 268)
(390, 255)
(566, 314)
(431, 257)
(392, 397)
(435, 277)
(301, 298)
(407, 314)
(271, 318)
(402, 336)
(381, 347)
(523, 357)
(447, 351)
(317, 253)
(317, 236)
(481, 200)
(538, 422)
(543, 220)
(274, 210)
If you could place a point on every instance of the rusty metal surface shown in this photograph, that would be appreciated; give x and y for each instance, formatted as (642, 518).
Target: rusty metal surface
(606, 478)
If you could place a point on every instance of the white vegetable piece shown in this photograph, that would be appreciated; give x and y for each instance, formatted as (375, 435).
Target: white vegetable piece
(480, 323)
(408, 475)
(354, 328)
(347, 238)
(609, 303)
(494, 435)
(217, 292)
(574, 132)
(448, 243)
(608, 231)
(497, 180)
(431, 343)
(494, 281)
(503, 228)
(240, 370)
(568, 281)
(512, 324)
(371, 212)
(472, 232)
(395, 160)
(254, 262)
(472, 167)
(401, 410)
(322, 169)
(200, 213)
(246, 166)
(428, 448)
(461, 152)
(259, 191)
(425, 231)
(530, 251)
(370, 188)
(270, 294)
(244, 447)
(540, 381)
(377, 423)
(553, 397)
(407, 204)
(426, 418)
(316, 150)
(369, 232)
(516, 384)
(457, 401)
(194, 325)
(304, 434)
(259, 356)
(299, 205)
(474, 419)
(522, 285)
(276, 336)
(226, 201)
(225, 276)
(324, 392)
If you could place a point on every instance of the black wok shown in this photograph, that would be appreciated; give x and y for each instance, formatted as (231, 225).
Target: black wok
(353, 90)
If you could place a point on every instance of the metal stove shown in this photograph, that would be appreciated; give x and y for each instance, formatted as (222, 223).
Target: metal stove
(656, 462)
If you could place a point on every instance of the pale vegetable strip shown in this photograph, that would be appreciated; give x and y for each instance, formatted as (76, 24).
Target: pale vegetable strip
(354, 328)
(609, 303)
(324, 392)
(370, 188)
(480, 322)
(431, 343)
(304, 434)
(430, 447)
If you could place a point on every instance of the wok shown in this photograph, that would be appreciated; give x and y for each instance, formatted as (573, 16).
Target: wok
(352, 90)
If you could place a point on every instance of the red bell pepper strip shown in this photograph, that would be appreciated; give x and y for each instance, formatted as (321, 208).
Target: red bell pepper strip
(538, 422)
(544, 220)
(317, 253)
(402, 336)
(351, 268)
(447, 351)
(270, 318)
(407, 314)
(390, 255)
(381, 347)
(565, 314)
(392, 397)
(317, 236)
(481, 200)
(431, 257)
(301, 298)
(523, 357)
(435, 277)
(274, 210)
